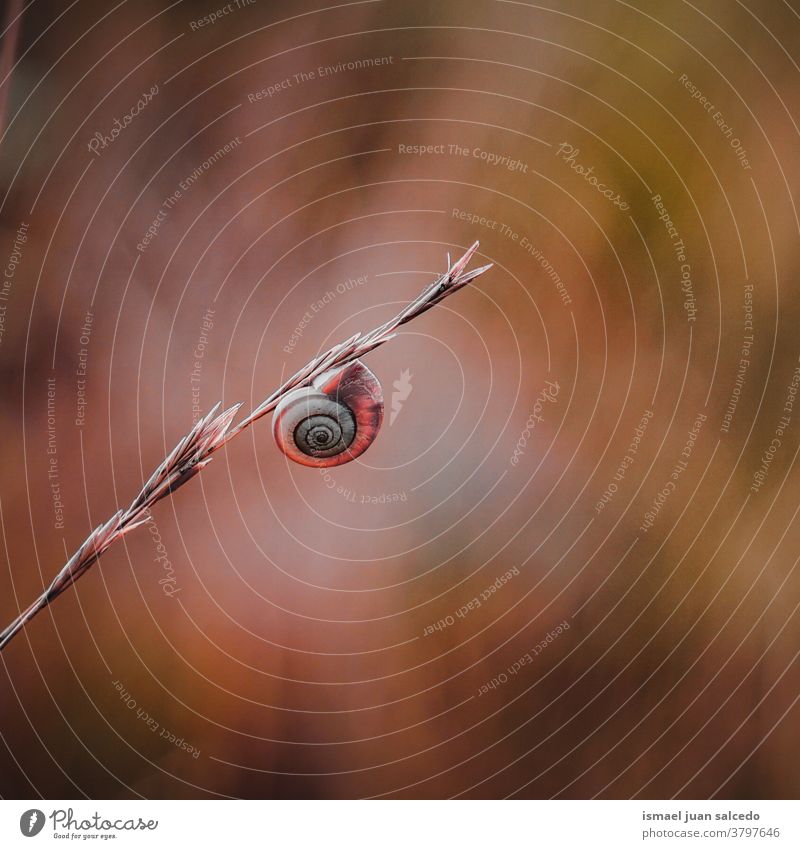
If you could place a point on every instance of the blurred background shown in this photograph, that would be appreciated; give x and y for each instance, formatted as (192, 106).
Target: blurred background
(568, 565)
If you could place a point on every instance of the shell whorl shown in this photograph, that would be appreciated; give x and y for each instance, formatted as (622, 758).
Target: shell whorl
(332, 421)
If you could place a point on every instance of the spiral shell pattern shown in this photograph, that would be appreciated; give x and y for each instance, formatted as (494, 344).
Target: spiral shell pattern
(332, 421)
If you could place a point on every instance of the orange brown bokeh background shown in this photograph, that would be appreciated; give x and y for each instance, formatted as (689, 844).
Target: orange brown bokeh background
(289, 640)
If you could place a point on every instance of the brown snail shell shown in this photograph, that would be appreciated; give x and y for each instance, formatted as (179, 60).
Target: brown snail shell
(332, 421)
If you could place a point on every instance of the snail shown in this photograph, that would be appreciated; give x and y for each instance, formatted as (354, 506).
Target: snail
(332, 421)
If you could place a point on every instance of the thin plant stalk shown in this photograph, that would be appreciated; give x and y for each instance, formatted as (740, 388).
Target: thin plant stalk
(195, 450)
